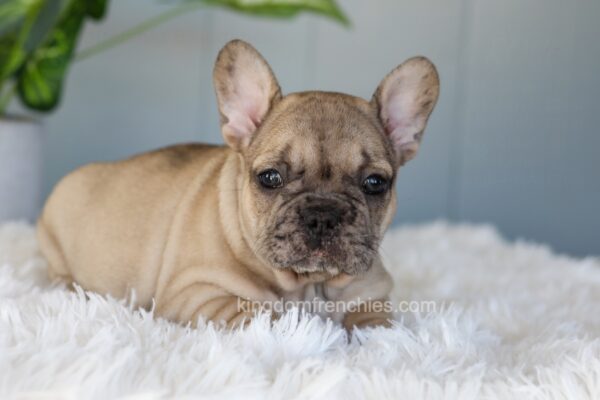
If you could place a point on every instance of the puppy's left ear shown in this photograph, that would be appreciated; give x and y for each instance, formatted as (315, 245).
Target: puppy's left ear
(246, 90)
(403, 101)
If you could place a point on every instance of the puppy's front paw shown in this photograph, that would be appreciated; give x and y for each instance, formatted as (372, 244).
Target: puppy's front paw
(374, 323)
(367, 320)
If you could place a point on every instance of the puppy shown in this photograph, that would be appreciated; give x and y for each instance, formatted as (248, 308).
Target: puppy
(292, 210)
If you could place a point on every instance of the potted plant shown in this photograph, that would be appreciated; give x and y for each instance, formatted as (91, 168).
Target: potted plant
(38, 42)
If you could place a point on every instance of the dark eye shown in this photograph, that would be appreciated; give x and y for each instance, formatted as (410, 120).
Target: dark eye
(375, 184)
(270, 179)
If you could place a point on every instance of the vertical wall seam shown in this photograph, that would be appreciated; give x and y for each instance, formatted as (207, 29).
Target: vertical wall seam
(310, 53)
(205, 81)
(455, 167)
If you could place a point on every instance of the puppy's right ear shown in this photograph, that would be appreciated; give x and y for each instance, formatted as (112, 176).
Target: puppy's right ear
(246, 90)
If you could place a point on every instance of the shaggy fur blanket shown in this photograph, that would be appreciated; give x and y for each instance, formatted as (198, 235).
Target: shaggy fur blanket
(482, 319)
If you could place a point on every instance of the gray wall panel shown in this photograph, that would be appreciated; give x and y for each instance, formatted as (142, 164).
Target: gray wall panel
(530, 147)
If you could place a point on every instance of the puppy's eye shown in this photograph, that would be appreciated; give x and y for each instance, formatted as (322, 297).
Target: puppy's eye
(270, 179)
(375, 184)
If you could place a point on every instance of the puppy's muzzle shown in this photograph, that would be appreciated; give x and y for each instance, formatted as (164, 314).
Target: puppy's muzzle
(321, 222)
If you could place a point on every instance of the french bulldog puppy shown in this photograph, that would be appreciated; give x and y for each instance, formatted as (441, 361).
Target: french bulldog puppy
(293, 209)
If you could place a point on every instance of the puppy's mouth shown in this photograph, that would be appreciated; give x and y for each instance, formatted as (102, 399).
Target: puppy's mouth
(345, 254)
(316, 261)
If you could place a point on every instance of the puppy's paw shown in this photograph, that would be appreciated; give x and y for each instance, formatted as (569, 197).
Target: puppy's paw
(374, 323)
(363, 320)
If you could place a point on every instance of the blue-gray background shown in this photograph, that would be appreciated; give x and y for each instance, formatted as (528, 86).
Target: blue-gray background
(514, 141)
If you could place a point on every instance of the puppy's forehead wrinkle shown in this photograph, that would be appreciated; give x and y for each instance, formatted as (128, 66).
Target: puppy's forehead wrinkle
(325, 135)
(326, 111)
(279, 155)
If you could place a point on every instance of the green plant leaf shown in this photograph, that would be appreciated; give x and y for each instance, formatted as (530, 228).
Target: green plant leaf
(48, 15)
(11, 55)
(11, 13)
(96, 9)
(40, 80)
(18, 18)
(283, 8)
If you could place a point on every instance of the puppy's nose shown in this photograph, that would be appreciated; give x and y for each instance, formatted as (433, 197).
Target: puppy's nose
(320, 221)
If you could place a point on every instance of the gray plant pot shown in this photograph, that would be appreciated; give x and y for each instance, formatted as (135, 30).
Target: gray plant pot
(20, 168)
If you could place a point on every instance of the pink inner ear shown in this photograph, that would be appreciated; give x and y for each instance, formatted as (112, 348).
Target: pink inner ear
(247, 110)
(240, 125)
(406, 97)
(401, 117)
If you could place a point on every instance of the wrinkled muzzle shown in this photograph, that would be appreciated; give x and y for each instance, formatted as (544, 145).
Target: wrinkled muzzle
(321, 233)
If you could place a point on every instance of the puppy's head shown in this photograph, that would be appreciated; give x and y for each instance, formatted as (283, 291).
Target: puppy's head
(319, 168)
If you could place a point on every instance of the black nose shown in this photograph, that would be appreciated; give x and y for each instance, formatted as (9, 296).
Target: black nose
(320, 221)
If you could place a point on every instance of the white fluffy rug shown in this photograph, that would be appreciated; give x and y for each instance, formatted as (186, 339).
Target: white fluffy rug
(513, 320)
